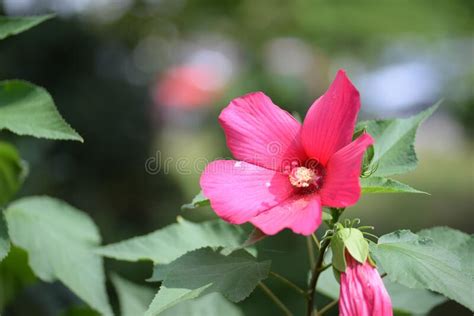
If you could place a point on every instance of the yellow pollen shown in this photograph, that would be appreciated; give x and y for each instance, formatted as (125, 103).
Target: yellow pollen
(302, 177)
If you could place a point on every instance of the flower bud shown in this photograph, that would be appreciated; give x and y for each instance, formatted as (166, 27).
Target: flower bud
(362, 292)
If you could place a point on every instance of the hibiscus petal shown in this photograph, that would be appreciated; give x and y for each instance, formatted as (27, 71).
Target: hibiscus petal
(239, 190)
(362, 292)
(302, 214)
(330, 122)
(341, 185)
(259, 132)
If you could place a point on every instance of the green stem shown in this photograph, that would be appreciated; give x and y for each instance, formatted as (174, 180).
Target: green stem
(309, 245)
(335, 213)
(275, 299)
(316, 241)
(318, 268)
(289, 283)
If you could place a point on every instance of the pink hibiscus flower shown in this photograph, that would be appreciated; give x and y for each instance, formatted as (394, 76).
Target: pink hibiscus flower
(286, 171)
(362, 292)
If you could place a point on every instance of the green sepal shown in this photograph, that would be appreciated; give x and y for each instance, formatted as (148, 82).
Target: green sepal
(351, 239)
(337, 274)
(371, 261)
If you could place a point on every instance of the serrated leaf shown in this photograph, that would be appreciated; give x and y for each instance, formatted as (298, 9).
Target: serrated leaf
(4, 239)
(385, 185)
(26, 109)
(198, 201)
(60, 241)
(133, 298)
(15, 25)
(167, 244)
(12, 172)
(205, 271)
(418, 262)
(405, 301)
(394, 151)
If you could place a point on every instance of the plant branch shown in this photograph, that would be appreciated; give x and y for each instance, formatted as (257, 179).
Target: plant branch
(275, 299)
(309, 245)
(328, 307)
(289, 283)
(318, 268)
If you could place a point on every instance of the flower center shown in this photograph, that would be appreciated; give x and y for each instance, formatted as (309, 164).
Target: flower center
(306, 179)
(302, 177)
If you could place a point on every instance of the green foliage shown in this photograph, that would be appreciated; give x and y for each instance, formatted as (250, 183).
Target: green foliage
(15, 274)
(459, 243)
(26, 109)
(198, 201)
(4, 239)
(12, 172)
(206, 271)
(15, 25)
(385, 185)
(167, 244)
(412, 301)
(60, 240)
(394, 152)
(405, 301)
(352, 240)
(133, 298)
(79, 311)
(213, 304)
(419, 262)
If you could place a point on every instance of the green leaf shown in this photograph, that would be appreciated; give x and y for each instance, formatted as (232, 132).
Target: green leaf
(167, 244)
(60, 241)
(412, 301)
(133, 298)
(15, 25)
(79, 311)
(198, 201)
(405, 301)
(213, 304)
(12, 172)
(418, 262)
(394, 151)
(26, 109)
(352, 240)
(205, 271)
(4, 239)
(385, 185)
(461, 244)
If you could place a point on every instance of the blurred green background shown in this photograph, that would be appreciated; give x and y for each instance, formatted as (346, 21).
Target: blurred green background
(143, 82)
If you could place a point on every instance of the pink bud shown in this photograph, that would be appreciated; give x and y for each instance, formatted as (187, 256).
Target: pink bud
(362, 291)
